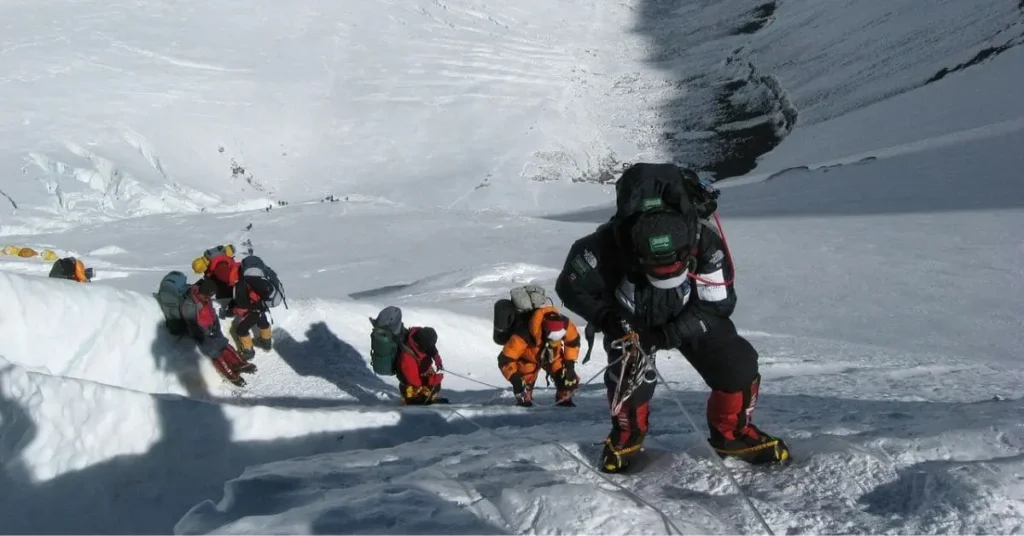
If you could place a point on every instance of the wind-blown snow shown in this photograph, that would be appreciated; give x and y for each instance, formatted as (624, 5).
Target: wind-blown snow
(427, 153)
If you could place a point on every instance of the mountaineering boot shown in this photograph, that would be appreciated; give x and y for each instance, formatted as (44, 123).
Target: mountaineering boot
(245, 347)
(753, 446)
(227, 372)
(525, 398)
(626, 439)
(434, 398)
(616, 459)
(732, 432)
(564, 399)
(247, 368)
(264, 341)
(236, 363)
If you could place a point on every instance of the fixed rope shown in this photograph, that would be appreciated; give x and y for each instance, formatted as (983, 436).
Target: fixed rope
(507, 387)
(716, 458)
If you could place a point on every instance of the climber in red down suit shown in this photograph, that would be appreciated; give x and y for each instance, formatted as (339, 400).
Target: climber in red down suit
(419, 368)
(202, 325)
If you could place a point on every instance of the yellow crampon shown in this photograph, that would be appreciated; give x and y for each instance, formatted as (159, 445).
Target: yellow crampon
(612, 458)
(757, 453)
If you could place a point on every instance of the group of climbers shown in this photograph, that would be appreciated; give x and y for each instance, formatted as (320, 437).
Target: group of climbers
(534, 336)
(247, 288)
(188, 310)
(251, 288)
(657, 276)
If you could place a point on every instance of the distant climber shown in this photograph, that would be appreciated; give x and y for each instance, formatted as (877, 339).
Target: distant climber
(419, 367)
(547, 341)
(73, 269)
(188, 309)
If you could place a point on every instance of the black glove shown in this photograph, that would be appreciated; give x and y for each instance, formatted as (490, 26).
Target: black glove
(226, 312)
(612, 327)
(518, 385)
(569, 377)
(655, 338)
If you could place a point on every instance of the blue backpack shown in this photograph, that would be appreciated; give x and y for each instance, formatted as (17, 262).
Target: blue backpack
(169, 295)
(253, 266)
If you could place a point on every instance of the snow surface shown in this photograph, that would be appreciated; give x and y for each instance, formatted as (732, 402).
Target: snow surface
(879, 251)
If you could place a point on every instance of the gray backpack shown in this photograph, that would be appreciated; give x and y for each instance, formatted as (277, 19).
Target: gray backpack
(514, 312)
(253, 266)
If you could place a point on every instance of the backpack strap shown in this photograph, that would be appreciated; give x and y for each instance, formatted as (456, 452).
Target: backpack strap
(691, 260)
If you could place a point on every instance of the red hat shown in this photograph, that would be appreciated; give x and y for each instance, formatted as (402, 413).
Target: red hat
(554, 326)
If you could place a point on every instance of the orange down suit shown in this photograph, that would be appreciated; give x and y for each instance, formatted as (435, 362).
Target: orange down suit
(527, 351)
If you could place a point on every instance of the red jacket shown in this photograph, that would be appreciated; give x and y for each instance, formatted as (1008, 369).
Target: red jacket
(416, 368)
(198, 312)
(223, 268)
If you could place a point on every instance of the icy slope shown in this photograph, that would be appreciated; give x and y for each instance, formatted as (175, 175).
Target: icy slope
(116, 338)
(120, 109)
(83, 457)
(882, 477)
(876, 413)
(886, 292)
(974, 106)
(116, 109)
(745, 75)
(881, 285)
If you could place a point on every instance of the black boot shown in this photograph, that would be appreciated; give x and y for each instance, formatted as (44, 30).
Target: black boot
(525, 398)
(616, 459)
(264, 341)
(564, 399)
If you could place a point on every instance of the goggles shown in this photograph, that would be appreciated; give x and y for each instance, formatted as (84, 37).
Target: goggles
(669, 265)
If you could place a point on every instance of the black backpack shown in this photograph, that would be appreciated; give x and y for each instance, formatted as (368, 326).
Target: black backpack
(63, 268)
(645, 188)
(253, 266)
(514, 312)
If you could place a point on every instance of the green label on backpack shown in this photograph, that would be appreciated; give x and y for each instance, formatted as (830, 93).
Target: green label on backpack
(651, 203)
(660, 243)
(580, 265)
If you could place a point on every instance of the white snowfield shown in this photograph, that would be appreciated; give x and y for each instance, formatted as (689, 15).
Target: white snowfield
(879, 248)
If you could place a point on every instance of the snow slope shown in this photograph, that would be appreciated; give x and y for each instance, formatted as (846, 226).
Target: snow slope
(126, 108)
(878, 249)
